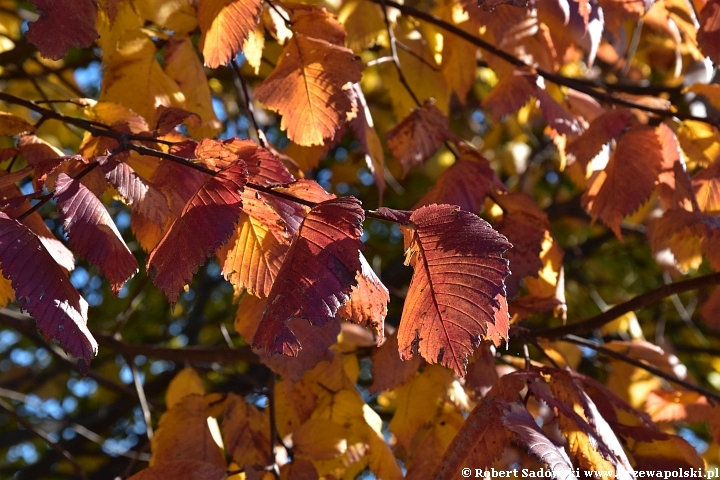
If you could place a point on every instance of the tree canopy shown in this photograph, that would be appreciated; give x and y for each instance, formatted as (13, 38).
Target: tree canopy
(253, 239)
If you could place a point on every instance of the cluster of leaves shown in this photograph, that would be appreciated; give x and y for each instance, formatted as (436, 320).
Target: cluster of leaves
(460, 91)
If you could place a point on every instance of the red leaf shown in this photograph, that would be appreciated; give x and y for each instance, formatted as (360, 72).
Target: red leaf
(206, 222)
(42, 288)
(92, 232)
(63, 24)
(604, 128)
(519, 421)
(510, 94)
(708, 36)
(142, 195)
(418, 136)
(457, 293)
(317, 276)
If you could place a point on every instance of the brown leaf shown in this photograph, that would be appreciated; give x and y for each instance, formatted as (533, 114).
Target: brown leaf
(13, 125)
(676, 227)
(63, 24)
(708, 36)
(414, 140)
(224, 26)
(246, 432)
(182, 470)
(466, 183)
(308, 88)
(510, 94)
(183, 434)
(706, 184)
(628, 179)
(451, 305)
(710, 310)
(389, 371)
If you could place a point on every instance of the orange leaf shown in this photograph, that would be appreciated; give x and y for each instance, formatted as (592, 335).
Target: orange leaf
(368, 301)
(603, 129)
(628, 179)
(452, 303)
(308, 88)
(414, 140)
(510, 94)
(224, 26)
(389, 371)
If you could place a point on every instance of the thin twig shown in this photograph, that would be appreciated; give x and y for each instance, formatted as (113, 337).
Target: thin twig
(147, 417)
(54, 445)
(243, 94)
(552, 77)
(649, 368)
(395, 57)
(640, 301)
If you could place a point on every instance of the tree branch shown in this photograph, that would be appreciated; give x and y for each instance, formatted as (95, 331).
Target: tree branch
(552, 77)
(649, 368)
(588, 325)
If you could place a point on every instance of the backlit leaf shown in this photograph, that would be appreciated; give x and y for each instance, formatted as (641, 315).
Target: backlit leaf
(92, 232)
(13, 125)
(205, 223)
(389, 371)
(368, 301)
(225, 25)
(317, 276)
(42, 288)
(246, 432)
(628, 179)
(183, 434)
(451, 305)
(414, 140)
(63, 24)
(308, 88)
(182, 470)
(602, 130)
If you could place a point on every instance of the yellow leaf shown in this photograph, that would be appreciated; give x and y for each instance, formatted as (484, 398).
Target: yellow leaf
(253, 48)
(185, 383)
(320, 439)
(112, 31)
(700, 142)
(308, 88)
(7, 294)
(364, 24)
(411, 414)
(709, 91)
(184, 67)
(422, 74)
(135, 79)
(175, 15)
(248, 315)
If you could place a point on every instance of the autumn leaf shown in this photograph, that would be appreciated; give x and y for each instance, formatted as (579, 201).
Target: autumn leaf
(142, 195)
(627, 180)
(183, 434)
(92, 232)
(317, 276)
(42, 288)
(364, 129)
(224, 26)
(14, 125)
(510, 94)
(63, 24)
(602, 130)
(389, 371)
(308, 88)
(451, 305)
(368, 301)
(709, 33)
(212, 211)
(246, 432)
(414, 140)
(519, 421)
(466, 183)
